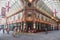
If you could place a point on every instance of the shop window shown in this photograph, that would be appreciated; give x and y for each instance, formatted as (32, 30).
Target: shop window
(18, 24)
(15, 24)
(11, 27)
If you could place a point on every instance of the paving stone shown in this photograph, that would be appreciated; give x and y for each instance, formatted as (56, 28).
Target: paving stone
(52, 35)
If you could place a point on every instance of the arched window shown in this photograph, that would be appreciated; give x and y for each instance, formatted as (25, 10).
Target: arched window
(29, 14)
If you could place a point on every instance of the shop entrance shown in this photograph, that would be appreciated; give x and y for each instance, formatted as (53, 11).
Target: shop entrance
(29, 26)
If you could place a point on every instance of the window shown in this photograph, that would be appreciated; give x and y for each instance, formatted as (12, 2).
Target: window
(29, 15)
(14, 17)
(36, 15)
(21, 15)
(18, 16)
(19, 24)
(46, 18)
(49, 19)
(42, 17)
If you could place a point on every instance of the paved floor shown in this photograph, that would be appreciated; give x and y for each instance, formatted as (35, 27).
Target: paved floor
(53, 35)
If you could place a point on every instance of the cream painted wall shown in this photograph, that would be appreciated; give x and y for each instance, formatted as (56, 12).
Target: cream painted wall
(16, 17)
(2, 21)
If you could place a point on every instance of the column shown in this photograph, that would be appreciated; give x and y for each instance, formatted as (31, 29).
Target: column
(21, 27)
(24, 27)
(34, 27)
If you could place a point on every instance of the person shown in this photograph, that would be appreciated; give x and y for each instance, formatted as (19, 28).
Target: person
(29, 30)
(46, 30)
(8, 30)
(15, 31)
(3, 30)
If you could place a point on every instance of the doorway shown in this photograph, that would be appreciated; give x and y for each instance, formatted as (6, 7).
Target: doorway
(29, 26)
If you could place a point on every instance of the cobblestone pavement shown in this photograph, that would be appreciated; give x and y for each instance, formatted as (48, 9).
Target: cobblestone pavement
(53, 35)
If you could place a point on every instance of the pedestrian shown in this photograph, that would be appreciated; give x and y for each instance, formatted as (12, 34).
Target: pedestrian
(8, 30)
(3, 30)
(15, 32)
(46, 30)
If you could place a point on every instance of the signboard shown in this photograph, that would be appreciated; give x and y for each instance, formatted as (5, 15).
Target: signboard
(3, 11)
(55, 12)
